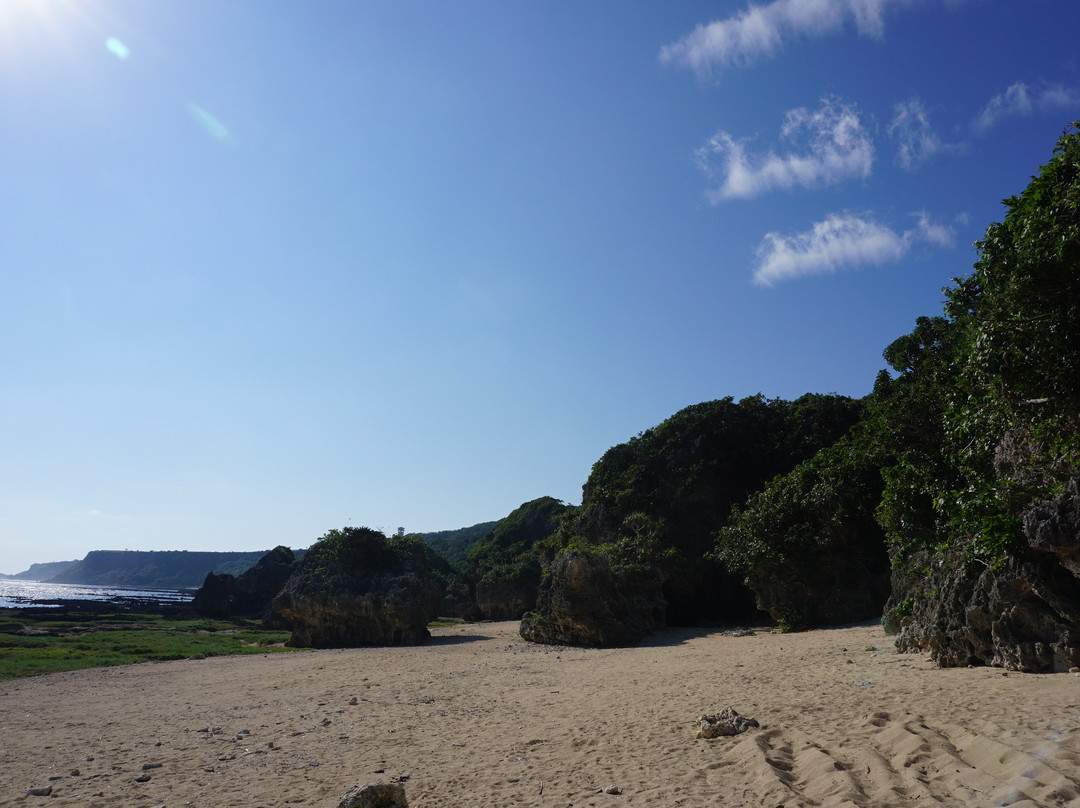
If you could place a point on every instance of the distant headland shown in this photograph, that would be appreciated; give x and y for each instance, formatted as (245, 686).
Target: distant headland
(154, 569)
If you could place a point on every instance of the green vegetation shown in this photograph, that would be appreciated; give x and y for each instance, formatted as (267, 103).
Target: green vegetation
(51, 645)
(363, 551)
(501, 570)
(508, 553)
(454, 545)
(977, 421)
(657, 501)
(825, 504)
(981, 420)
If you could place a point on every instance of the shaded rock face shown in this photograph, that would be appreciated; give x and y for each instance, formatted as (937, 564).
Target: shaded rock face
(827, 590)
(504, 569)
(1053, 528)
(687, 473)
(1021, 615)
(585, 601)
(344, 610)
(249, 594)
(503, 600)
(212, 598)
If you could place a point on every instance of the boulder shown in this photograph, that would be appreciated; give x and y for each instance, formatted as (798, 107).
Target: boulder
(350, 610)
(724, 723)
(375, 795)
(353, 588)
(586, 600)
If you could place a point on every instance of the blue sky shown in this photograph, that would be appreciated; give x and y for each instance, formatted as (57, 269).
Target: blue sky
(272, 267)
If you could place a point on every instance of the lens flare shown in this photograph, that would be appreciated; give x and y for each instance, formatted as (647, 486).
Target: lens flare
(212, 125)
(117, 48)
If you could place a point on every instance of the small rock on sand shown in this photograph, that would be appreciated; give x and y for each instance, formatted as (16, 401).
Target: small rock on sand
(725, 722)
(375, 795)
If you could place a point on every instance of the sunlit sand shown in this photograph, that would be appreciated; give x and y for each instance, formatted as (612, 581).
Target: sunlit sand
(481, 718)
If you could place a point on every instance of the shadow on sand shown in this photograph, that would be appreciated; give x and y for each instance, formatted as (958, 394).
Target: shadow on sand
(455, 639)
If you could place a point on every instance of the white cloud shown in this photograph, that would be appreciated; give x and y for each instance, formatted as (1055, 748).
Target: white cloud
(761, 30)
(925, 230)
(1020, 100)
(841, 240)
(833, 146)
(916, 140)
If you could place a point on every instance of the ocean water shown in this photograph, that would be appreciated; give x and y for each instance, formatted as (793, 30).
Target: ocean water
(16, 594)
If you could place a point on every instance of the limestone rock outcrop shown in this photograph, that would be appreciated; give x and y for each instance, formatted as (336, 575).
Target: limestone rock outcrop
(375, 795)
(724, 723)
(504, 600)
(586, 600)
(354, 588)
(1022, 614)
(248, 594)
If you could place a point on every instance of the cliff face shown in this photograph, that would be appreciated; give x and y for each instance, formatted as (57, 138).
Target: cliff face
(684, 475)
(638, 554)
(981, 501)
(160, 569)
(1022, 614)
(42, 572)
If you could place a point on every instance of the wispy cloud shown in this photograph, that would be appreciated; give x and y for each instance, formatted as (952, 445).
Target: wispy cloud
(1021, 100)
(829, 145)
(916, 141)
(761, 30)
(842, 240)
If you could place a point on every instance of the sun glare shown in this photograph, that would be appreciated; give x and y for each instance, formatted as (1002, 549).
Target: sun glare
(35, 30)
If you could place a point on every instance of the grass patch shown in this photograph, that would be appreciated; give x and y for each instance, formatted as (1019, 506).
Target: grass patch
(120, 639)
(444, 622)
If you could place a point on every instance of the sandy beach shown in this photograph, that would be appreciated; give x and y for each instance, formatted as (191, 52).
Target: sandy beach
(479, 717)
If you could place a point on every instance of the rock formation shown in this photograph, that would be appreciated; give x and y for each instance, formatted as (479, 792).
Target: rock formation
(724, 723)
(504, 600)
(826, 590)
(585, 600)
(375, 795)
(1022, 614)
(248, 594)
(503, 568)
(354, 587)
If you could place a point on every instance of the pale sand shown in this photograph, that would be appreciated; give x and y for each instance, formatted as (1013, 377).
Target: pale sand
(479, 717)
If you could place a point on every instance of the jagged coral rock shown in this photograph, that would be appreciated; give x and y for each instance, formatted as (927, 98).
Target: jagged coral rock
(585, 600)
(725, 722)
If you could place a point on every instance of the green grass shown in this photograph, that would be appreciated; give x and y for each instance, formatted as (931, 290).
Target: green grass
(124, 638)
(121, 640)
(443, 622)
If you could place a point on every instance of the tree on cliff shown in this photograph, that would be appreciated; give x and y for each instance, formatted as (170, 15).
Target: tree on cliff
(982, 419)
(656, 501)
(981, 429)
